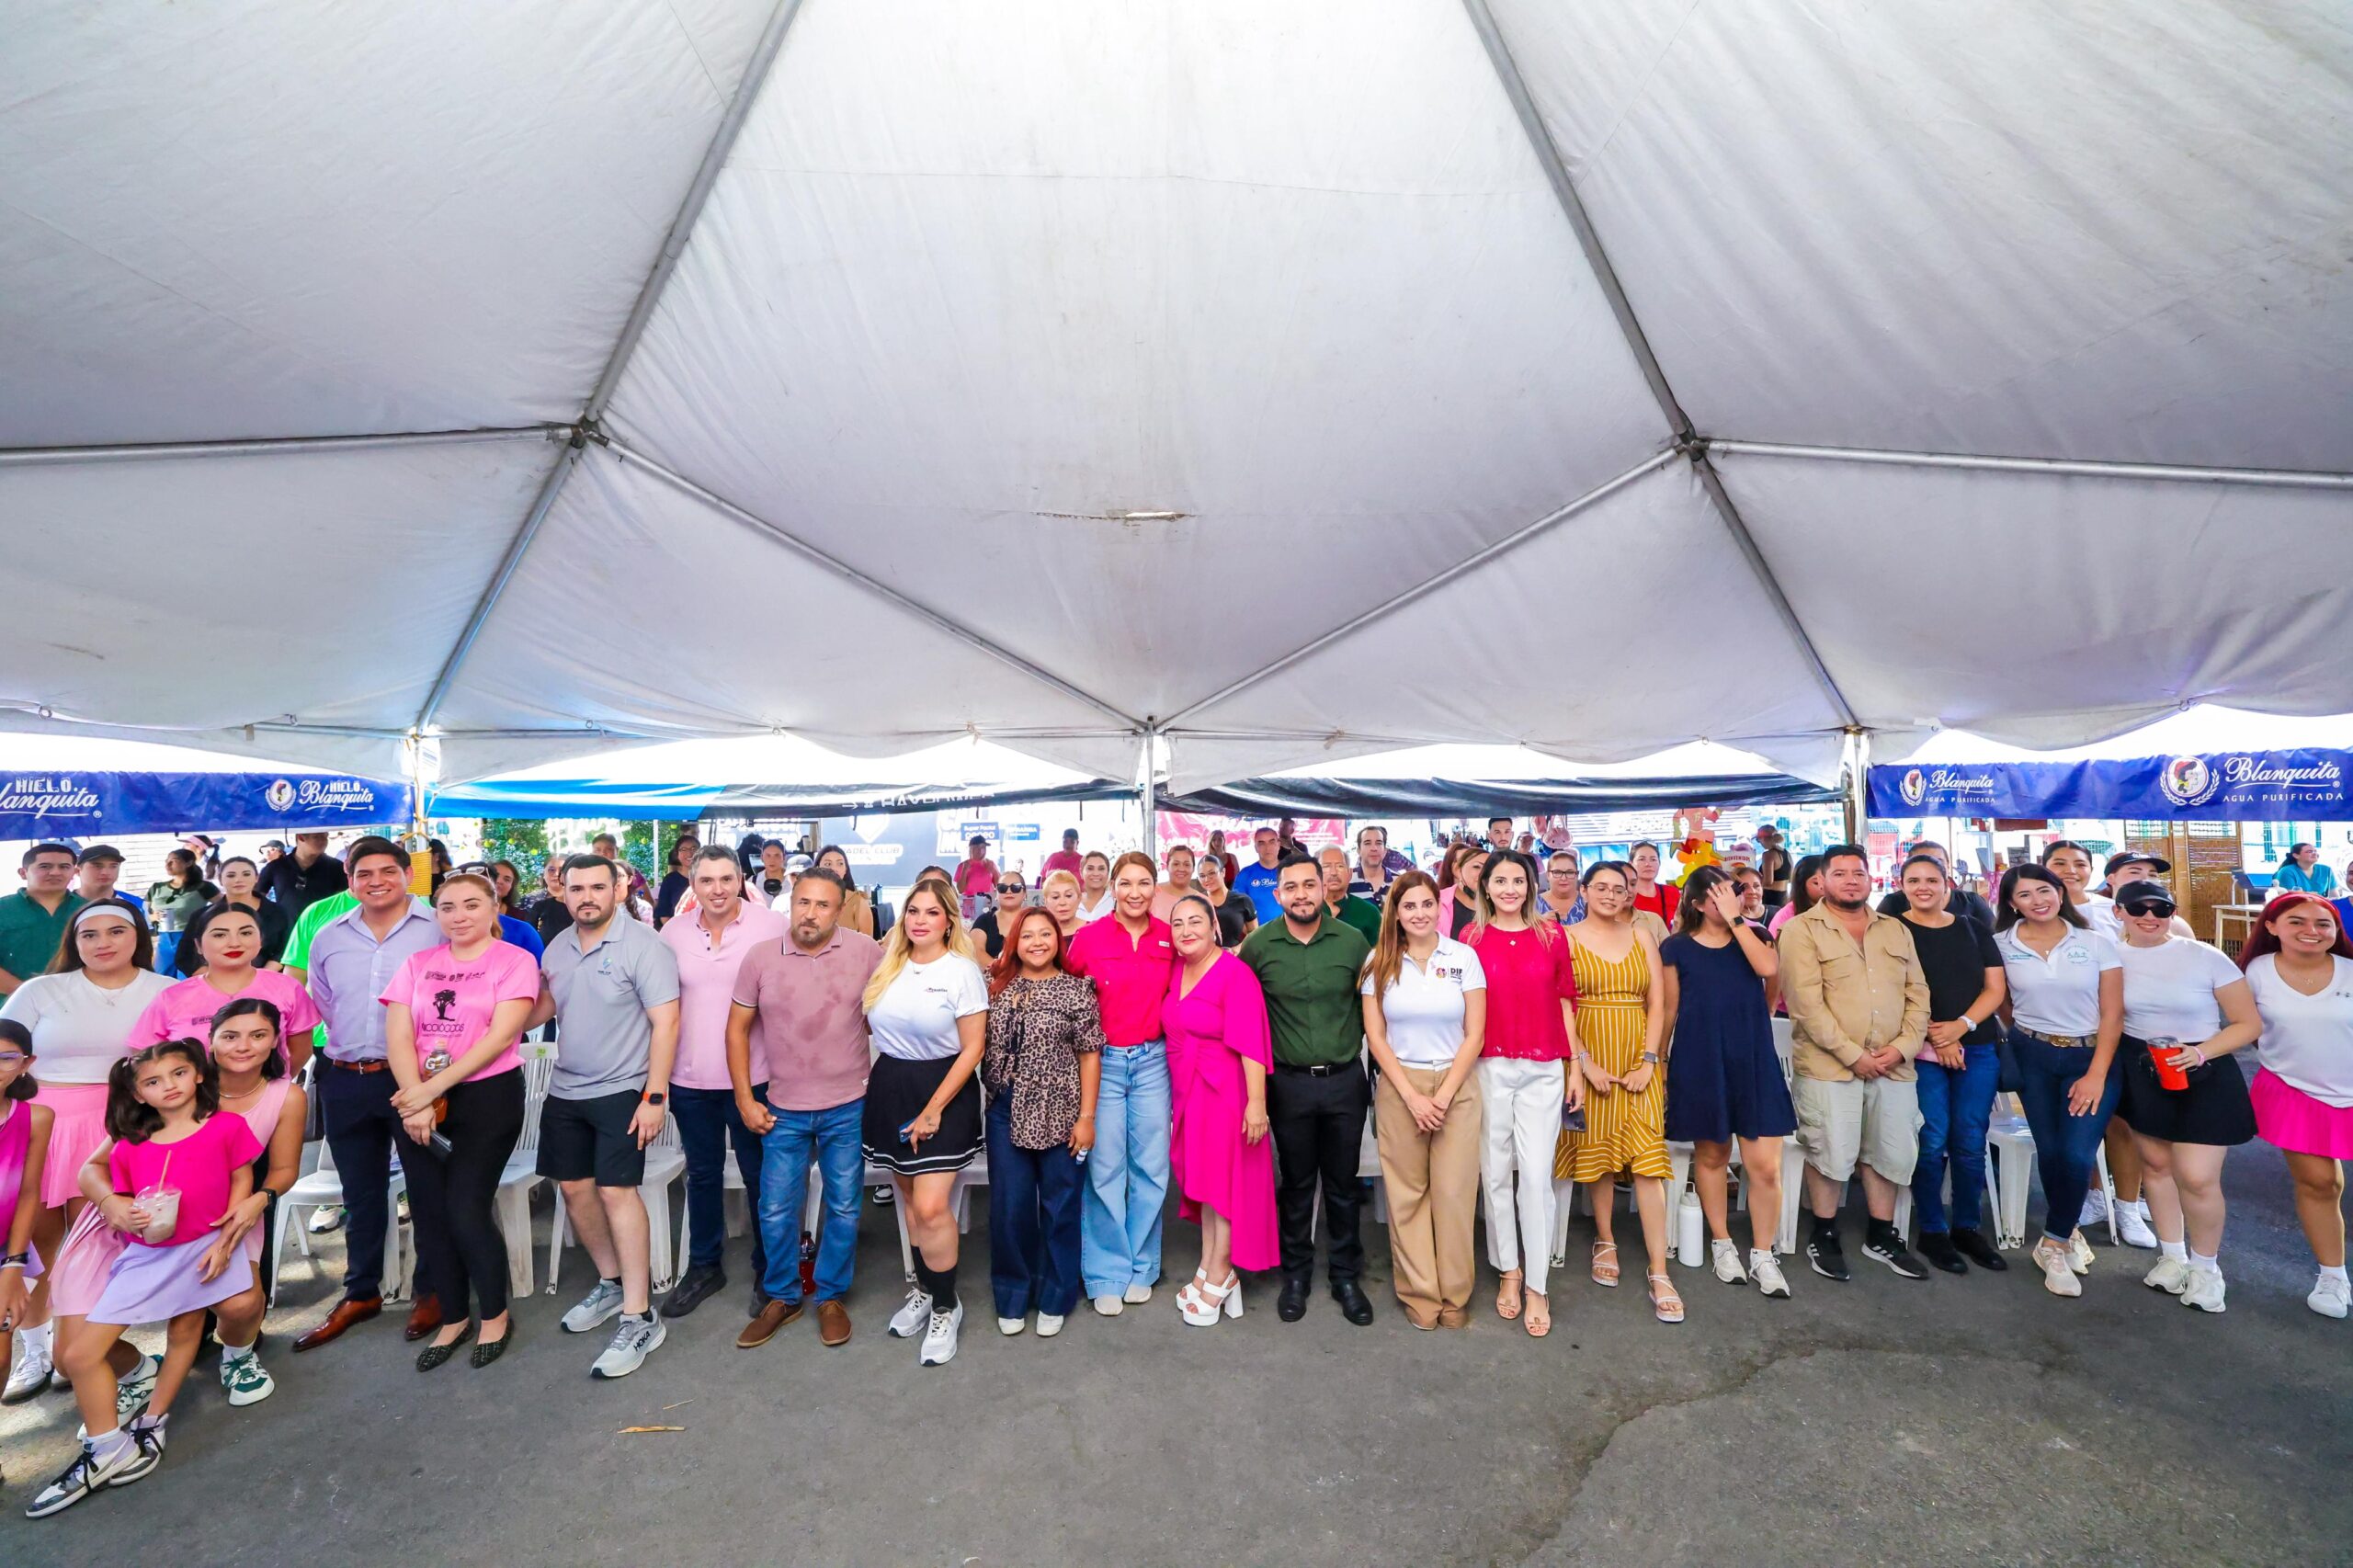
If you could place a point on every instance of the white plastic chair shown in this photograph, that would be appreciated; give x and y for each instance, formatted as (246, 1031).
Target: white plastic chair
(2009, 1161)
(958, 1203)
(741, 1208)
(665, 1164)
(522, 1174)
(323, 1188)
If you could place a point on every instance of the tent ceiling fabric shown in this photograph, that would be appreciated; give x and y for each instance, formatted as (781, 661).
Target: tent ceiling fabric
(974, 283)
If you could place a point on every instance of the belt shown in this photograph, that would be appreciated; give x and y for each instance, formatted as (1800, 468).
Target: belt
(377, 1066)
(1315, 1070)
(2064, 1041)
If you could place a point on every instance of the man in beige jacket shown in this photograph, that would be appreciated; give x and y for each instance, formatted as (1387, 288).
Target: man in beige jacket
(1858, 1011)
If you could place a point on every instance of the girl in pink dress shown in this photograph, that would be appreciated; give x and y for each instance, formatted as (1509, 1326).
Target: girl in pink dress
(176, 1171)
(24, 1142)
(1218, 1158)
(232, 949)
(255, 1084)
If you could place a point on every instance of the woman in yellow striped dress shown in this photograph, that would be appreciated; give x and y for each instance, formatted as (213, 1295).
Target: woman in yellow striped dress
(1625, 1108)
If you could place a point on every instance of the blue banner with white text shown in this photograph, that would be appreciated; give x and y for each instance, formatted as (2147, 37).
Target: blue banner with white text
(91, 805)
(2272, 786)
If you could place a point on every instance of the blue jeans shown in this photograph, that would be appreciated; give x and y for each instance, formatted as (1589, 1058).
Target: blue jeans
(1956, 1107)
(830, 1138)
(1034, 1199)
(708, 1122)
(1126, 1176)
(2065, 1145)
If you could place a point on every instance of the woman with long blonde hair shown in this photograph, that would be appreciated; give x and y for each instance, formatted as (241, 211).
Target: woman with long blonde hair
(926, 1009)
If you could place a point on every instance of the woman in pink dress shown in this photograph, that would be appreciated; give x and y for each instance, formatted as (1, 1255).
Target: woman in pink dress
(255, 1085)
(1218, 1158)
(232, 948)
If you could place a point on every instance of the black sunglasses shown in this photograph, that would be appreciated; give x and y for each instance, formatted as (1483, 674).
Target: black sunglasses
(2144, 907)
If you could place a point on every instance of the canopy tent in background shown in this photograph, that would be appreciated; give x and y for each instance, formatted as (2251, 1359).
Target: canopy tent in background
(1474, 781)
(56, 787)
(1243, 385)
(2206, 763)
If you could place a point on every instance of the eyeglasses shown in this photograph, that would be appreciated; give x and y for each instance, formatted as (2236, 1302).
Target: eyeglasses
(2144, 907)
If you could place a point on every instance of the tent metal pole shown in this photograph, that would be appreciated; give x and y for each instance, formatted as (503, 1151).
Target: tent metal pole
(881, 589)
(666, 265)
(2296, 479)
(1151, 792)
(53, 456)
(1504, 546)
(1857, 782)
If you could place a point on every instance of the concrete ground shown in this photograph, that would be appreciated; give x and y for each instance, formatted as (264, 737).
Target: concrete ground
(1971, 1420)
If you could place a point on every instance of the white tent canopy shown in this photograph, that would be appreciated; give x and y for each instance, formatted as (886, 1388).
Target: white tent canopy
(1288, 381)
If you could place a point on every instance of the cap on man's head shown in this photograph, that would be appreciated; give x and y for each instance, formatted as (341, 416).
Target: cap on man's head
(2123, 857)
(99, 854)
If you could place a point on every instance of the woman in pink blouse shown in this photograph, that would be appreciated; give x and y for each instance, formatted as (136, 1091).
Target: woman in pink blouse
(230, 946)
(1219, 1160)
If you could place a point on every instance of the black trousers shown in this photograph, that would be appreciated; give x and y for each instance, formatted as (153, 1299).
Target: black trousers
(452, 1197)
(1318, 1128)
(358, 1111)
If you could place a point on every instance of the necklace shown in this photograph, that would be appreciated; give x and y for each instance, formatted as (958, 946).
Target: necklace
(244, 1095)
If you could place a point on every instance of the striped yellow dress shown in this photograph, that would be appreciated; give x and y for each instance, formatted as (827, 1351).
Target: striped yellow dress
(1623, 1132)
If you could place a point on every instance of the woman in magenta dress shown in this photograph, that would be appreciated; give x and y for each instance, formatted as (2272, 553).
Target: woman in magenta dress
(1219, 1161)
(230, 946)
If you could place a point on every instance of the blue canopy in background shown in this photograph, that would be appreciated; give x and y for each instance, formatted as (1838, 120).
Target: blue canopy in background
(2259, 786)
(93, 804)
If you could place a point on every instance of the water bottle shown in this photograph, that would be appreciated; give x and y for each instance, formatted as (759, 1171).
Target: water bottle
(1690, 1232)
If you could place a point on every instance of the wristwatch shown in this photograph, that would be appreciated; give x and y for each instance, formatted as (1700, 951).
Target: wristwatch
(268, 1194)
(1968, 1024)
(653, 1098)
(1650, 1057)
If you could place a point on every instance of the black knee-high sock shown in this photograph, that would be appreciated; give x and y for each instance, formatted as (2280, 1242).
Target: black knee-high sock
(939, 1284)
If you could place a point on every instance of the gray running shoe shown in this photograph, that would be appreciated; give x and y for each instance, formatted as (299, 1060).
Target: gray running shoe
(636, 1338)
(599, 1305)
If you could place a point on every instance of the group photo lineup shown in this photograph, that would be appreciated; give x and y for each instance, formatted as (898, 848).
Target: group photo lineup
(1309, 782)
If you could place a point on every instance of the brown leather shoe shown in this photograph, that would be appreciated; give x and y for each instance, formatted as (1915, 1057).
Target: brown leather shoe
(833, 1323)
(774, 1315)
(346, 1312)
(424, 1318)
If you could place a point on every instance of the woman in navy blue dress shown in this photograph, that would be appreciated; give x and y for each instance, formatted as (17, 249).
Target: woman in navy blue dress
(1724, 1077)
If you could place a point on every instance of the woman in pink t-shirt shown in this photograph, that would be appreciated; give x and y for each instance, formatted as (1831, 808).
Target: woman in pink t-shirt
(171, 1146)
(232, 949)
(452, 1017)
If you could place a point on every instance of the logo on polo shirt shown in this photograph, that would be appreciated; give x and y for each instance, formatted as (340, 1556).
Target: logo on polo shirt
(2078, 955)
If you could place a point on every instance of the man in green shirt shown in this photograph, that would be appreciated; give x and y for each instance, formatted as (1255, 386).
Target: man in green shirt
(32, 922)
(1360, 915)
(1308, 964)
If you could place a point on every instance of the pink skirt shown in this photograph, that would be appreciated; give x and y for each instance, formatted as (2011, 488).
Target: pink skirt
(77, 1131)
(85, 1262)
(2291, 1119)
(157, 1284)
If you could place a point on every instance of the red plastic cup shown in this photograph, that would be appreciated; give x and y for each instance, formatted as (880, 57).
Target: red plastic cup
(2168, 1076)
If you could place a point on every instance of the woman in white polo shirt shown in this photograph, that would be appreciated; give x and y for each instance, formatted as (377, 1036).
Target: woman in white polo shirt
(2067, 1011)
(2186, 1007)
(926, 1008)
(2300, 967)
(1425, 1021)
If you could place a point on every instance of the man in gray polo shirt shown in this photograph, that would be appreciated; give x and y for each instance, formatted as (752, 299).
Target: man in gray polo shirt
(612, 987)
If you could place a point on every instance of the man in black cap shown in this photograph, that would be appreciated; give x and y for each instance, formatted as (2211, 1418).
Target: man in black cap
(96, 871)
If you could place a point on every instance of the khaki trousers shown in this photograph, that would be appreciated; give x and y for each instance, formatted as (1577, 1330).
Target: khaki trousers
(1433, 1184)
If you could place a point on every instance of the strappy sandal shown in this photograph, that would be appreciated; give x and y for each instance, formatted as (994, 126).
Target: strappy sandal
(1664, 1303)
(1188, 1296)
(1604, 1269)
(1508, 1297)
(1540, 1315)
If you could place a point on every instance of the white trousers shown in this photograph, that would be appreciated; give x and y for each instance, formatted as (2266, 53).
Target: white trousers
(1521, 1103)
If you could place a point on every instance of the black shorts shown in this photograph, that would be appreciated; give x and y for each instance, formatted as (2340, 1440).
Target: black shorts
(2214, 1109)
(590, 1141)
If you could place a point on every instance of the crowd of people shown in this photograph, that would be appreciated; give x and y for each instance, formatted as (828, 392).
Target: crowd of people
(1513, 1022)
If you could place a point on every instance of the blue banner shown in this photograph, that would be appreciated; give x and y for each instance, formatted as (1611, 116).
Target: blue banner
(2276, 786)
(92, 805)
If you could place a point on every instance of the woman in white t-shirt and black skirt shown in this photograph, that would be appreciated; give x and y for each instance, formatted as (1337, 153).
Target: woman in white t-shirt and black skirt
(2186, 1007)
(927, 1008)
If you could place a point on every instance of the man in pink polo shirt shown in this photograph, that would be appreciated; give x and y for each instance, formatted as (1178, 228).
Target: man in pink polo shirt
(801, 1003)
(1066, 858)
(1130, 958)
(710, 945)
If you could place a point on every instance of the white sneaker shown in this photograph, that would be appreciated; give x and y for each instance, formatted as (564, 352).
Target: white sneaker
(29, 1374)
(2058, 1267)
(328, 1219)
(1112, 1306)
(2133, 1224)
(637, 1338)
(940, 1338)
(2205, 1291)
(600, 1305)
(87, 1475)
(131, 1392)
(246, 1381)
(1727, 1263)
(1048, 1325)
(1138, 1295)
(2331, 1297)
(908, 1321)
(1011, 1326)
(2171, 1274)
(2079, 1253)
(1766, 1269)
(2095, 1208)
